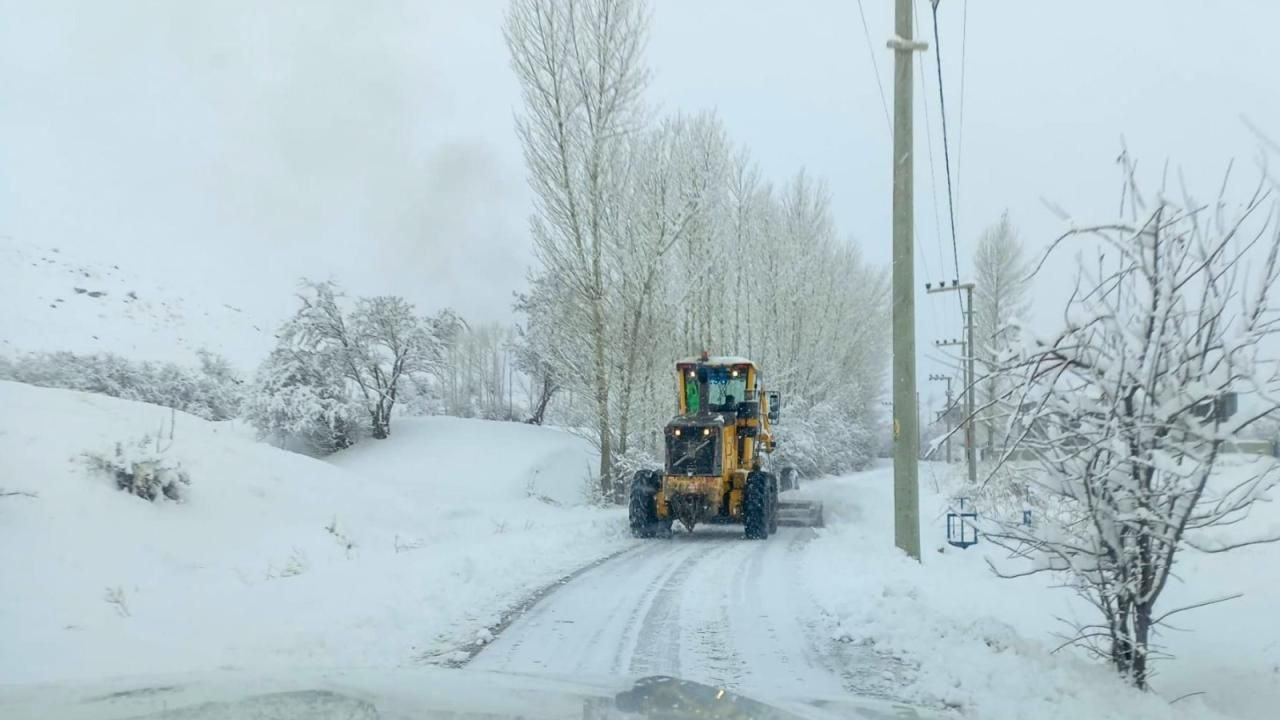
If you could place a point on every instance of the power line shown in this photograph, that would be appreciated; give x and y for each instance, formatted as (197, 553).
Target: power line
(933, 172)
(875, 67)
(933, 191)
(946, 153)
(964, 46)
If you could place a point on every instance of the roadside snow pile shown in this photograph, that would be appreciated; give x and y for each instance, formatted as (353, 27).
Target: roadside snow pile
(958, 637)
(394, 553)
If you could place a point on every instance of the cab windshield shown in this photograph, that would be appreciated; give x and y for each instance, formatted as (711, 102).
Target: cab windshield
(726, 387)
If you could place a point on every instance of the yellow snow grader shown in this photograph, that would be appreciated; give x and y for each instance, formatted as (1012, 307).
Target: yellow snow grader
(715, 451)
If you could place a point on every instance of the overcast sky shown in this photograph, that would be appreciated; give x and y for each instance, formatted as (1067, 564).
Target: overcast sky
(237, 145)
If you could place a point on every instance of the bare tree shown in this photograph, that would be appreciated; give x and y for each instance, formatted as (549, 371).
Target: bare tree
(1127, 410)
(579, 66)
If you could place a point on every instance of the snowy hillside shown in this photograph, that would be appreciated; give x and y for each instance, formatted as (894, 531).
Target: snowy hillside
(54, 301)
(394, 552)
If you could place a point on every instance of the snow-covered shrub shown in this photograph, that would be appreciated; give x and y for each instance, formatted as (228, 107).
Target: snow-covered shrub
(823, 439)
(219, 386)
(421, 396)
(635, 459)
(143, 468)
(213, 391)
(1007, 490)
(298, 400)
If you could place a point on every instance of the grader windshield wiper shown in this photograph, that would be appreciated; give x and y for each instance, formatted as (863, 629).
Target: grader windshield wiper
(690, 454)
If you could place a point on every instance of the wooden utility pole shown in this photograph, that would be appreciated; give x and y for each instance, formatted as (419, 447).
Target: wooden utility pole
(967, 350)
(946, 410)
(919, 426)
(906, 437)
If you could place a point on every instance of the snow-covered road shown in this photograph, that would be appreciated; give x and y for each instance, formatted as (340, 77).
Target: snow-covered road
(708, 606)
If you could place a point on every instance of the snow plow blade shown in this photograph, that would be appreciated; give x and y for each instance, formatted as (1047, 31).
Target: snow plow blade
(800, 513)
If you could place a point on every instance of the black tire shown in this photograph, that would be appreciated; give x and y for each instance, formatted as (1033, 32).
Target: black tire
(755, 507)
(642, 512)
(773, 505)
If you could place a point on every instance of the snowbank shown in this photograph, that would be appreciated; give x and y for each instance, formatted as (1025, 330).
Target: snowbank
(964, 639)
(477, 461)
(393, 552)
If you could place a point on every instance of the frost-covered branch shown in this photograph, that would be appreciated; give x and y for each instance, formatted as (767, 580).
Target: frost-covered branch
(1124, 414)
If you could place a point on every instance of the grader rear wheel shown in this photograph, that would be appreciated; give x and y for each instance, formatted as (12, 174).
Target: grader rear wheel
(757, 507)
(773, 505)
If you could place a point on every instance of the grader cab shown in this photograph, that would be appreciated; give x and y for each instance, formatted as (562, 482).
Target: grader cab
(715, 450)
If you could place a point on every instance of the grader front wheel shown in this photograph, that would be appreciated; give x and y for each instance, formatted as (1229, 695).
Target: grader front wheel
(642, 513)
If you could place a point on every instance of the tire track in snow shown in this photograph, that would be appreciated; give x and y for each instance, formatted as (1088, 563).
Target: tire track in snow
(588, 625)
(710, 606)
(707, 652)
(641, 650)
(765, 627)
(663, 631)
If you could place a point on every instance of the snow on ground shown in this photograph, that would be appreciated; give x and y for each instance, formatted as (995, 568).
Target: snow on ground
(406, 550)
(983, 646)
(53, 301)
(394, 551)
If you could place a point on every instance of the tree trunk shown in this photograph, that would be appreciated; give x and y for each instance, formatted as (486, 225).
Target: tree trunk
(381, 424)
(633, 356)
(544, 399)
(602, 396)
(1141, 637)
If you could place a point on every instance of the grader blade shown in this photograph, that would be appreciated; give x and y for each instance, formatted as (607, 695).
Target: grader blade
(800, 513)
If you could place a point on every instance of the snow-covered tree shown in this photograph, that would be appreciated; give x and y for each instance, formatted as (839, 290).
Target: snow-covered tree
(674, 169)
(375, 347)
(1127, 410)
(540, 344)
(658, 240)
(298, 399)
(580, 72)
(1000, 300)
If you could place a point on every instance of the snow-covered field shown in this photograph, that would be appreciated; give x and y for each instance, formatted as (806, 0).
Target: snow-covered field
(984, 646)
(449, 522)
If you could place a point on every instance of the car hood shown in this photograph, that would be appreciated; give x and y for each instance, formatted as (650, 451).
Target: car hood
(404, 693)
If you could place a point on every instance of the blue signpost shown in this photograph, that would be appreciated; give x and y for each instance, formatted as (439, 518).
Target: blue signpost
(962, 527)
